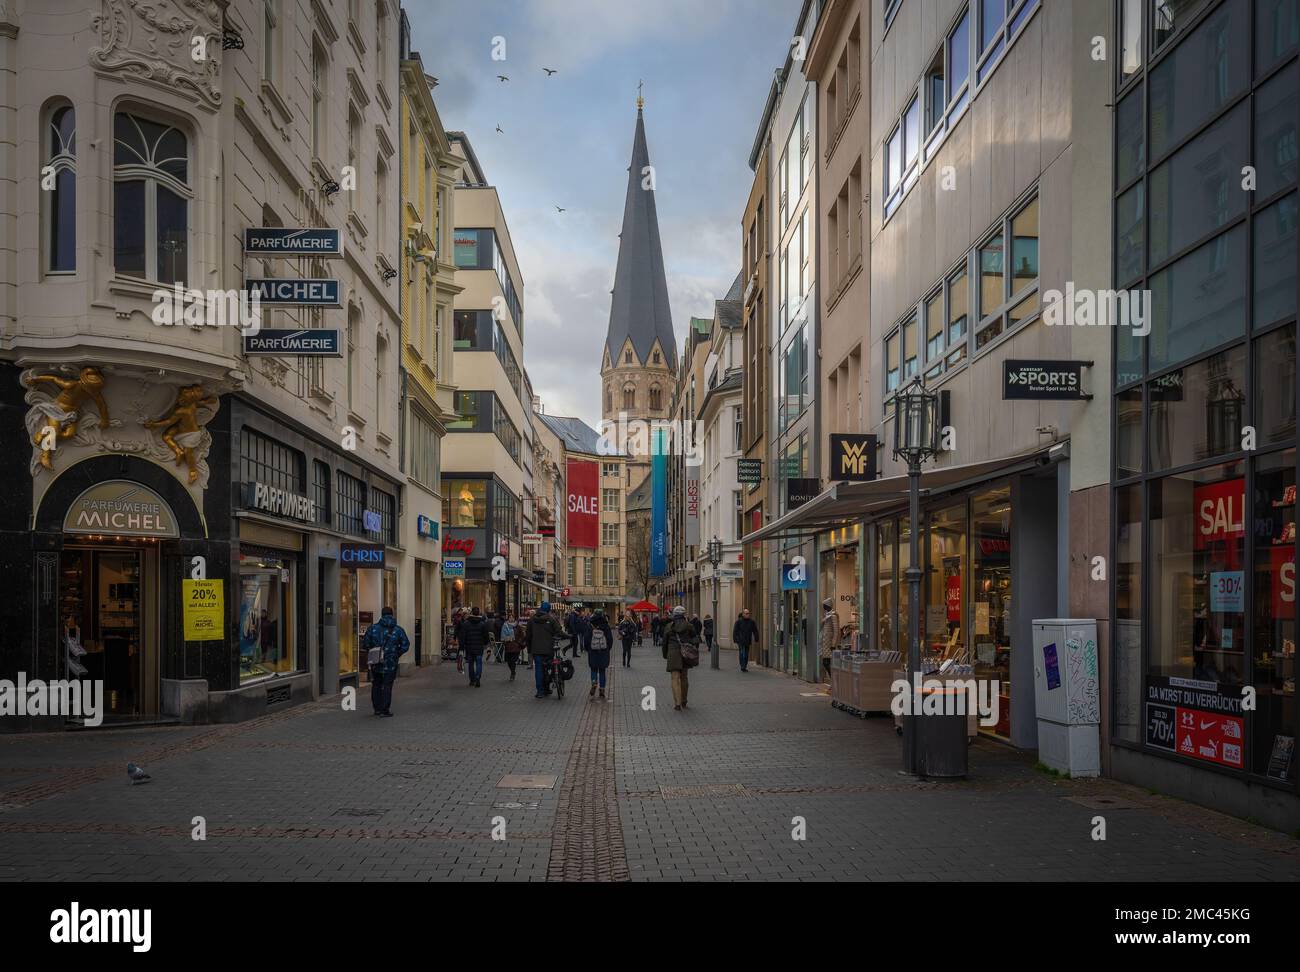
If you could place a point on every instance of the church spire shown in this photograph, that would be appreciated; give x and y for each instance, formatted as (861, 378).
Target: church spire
(639, 311)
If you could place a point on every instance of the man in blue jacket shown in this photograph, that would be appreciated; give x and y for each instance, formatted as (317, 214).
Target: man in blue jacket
(384, 642)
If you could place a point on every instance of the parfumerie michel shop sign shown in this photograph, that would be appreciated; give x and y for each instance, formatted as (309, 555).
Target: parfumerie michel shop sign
(120, 508)
(279, 502)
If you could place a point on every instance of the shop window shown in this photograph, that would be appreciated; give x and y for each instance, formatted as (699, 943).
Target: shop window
(1277, 32)
(1275, 262)
(59, 203)
(1198, 190)
(351, 504)
(903, 595)
(264, 460)
(321, 491)
(468, 502)
(991, 594)
(1273, 730)
(1197, 620)
(1200, 76)
(1199, 302)
(946, 631)
(1275, 386)
(151, 197)
(886, 589)
(1127, 651)
(1198, 412)
(266, 616)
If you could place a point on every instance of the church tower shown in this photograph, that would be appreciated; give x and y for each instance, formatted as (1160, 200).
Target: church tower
(639, 365)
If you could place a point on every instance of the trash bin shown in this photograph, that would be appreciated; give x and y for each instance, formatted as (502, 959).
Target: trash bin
(941, 737)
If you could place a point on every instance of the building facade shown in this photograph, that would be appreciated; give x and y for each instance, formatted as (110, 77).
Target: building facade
(171, 459)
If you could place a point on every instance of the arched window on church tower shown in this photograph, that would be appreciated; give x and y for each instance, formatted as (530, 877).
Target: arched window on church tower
(656, 357)
(656, 397)
(629, 397)
(609, 398)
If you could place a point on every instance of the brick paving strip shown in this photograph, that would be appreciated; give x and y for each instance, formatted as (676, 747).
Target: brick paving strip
(268, 831)
(588, 841)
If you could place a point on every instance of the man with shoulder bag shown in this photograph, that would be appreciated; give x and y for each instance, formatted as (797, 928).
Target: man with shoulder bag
(681, 647)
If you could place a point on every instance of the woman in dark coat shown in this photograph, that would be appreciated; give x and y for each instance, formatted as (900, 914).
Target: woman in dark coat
(598, 655)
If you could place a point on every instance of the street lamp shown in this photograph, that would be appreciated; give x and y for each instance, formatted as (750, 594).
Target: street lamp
(916, 438)
(715, 558)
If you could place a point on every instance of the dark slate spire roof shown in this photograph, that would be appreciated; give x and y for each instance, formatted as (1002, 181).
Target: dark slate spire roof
(640, 302)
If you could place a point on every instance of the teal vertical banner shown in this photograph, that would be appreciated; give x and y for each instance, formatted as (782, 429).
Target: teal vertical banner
(659, 504)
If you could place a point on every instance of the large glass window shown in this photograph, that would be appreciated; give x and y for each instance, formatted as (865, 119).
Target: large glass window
(351, 503)
(886, 586)
(991, 618)
(60, 200)
(1130, 235)
(467, 502)
(1277, 32)
(1130, 33)
(1199, 302)
(1128, 433)
(1130, 137)
(1274, 520)
(266, 616)
(1198, 412)
(266, 460)
(1275, 262)
(946, 633)
(1170, 16)
(151, 195)
(1276, 153)
(1197, 559)
(1127, 654)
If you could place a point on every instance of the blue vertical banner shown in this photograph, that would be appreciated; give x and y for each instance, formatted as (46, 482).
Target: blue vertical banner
(658, 505)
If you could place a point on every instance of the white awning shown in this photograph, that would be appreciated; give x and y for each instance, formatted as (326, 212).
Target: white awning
(843, 504)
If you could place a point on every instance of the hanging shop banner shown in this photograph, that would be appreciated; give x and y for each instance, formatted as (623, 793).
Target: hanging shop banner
(1219, 510)
(692, 505)
(453, 568)
(1192, 718)
(279, 241)
(426, 527)
(308, 342)
(582, 480)
(295, 293)
(204, 609)
(122, 508)
(801, 491)
(1039, 379)
(794, 577)
(853, 458)
(659, 505)
(749, 472)
(952, 595)
(361, 554)
(1281, 579)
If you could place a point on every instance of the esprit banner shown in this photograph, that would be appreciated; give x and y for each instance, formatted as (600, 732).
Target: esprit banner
(692, 505)
(583, 484)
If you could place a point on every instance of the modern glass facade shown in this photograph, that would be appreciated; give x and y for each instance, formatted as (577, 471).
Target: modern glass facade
(1204, 458)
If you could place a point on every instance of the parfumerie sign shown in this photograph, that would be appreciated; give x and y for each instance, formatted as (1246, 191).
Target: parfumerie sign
(309, 342)
(281, 502)
(121, 508)
(1043, 380)
(278, 241)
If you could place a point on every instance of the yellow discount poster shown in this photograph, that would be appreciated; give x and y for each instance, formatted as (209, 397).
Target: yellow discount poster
(205, 610)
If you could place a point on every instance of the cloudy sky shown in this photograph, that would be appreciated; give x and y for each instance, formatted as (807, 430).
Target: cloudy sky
(707, 66)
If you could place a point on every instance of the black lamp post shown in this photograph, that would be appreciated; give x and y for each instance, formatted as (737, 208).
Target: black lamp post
(916, 438)
(715, 558)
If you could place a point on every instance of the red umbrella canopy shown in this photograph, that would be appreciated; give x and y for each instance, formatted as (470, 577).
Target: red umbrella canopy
(644, 606)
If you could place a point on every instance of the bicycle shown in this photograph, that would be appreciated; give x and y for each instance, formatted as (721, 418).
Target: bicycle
(554, 676)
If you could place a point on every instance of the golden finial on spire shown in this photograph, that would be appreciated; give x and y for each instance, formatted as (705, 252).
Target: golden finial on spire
(640, 92)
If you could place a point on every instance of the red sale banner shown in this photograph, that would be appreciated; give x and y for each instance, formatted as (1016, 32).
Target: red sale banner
(954, 597)
(1281, 580)
(584, 503)
(1219, 510)
(1209, 736)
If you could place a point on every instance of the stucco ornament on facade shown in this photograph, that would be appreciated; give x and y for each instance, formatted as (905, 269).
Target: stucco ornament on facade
(153, 40)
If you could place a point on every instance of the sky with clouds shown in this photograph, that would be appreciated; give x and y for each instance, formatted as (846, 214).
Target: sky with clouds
(567, 140)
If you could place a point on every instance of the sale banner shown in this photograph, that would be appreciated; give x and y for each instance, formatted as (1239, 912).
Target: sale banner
(1219, 512)
(583, 484)
(1281, 580)
(953, 597)
(1210, 736)
(204, 610)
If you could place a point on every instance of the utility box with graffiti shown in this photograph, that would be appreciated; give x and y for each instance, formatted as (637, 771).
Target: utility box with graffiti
(1066, 695)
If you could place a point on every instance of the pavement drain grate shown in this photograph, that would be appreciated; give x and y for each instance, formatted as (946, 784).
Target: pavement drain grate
(511, 805)
(703, 791)
(1104, 803)
(527, 781)
(358, 812)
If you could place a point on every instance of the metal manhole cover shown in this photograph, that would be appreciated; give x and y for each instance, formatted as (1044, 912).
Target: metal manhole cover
(358, 812)
(527, 781)
(1104, 803)
(703, 791)
(512, 805)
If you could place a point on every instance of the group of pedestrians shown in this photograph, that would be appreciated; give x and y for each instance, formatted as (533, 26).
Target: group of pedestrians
(539, 635)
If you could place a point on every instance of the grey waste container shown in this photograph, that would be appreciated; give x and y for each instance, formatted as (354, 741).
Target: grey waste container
(941, 739)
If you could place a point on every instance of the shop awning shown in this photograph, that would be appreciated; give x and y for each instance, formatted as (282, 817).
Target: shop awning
(844, 504)
(539, 585)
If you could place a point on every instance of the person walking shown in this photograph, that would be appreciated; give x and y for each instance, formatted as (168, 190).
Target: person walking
(579, 631)
(600, 641)
(627, 631)
(656, 629)
(697, 624)
(745, 634)
(543, 629)
(828, 638)
(509, 642)
(707, 631)
(681, 648)
(384, 643)
(474, 638)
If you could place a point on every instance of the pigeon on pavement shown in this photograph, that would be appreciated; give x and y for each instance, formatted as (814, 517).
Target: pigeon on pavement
(137, 774)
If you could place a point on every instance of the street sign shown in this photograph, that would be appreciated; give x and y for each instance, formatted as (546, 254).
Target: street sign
(532, 539)
(853, 457)
(749, 472)
(305, 292)
(310, 342)
(278, 241)
(1027, 380)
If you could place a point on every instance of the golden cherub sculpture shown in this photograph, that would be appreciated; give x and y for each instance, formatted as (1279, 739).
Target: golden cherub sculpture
(61, 415)
(181, 429)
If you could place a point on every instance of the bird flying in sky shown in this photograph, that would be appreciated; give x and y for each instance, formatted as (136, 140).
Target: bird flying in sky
(502, 77)
(549, 71)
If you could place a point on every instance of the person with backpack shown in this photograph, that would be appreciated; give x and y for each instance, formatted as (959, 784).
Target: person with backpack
(745, 634)
(681, 647)
(627, 631)
(384, 643)
(543, 629)
(474, 637)
(600, 640)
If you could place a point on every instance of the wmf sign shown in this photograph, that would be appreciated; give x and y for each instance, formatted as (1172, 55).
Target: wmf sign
(853, 457)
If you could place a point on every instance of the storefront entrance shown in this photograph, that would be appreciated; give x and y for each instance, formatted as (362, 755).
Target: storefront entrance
(101, 615)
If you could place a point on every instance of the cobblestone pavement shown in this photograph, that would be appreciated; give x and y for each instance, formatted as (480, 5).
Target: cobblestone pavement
(715, 792)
